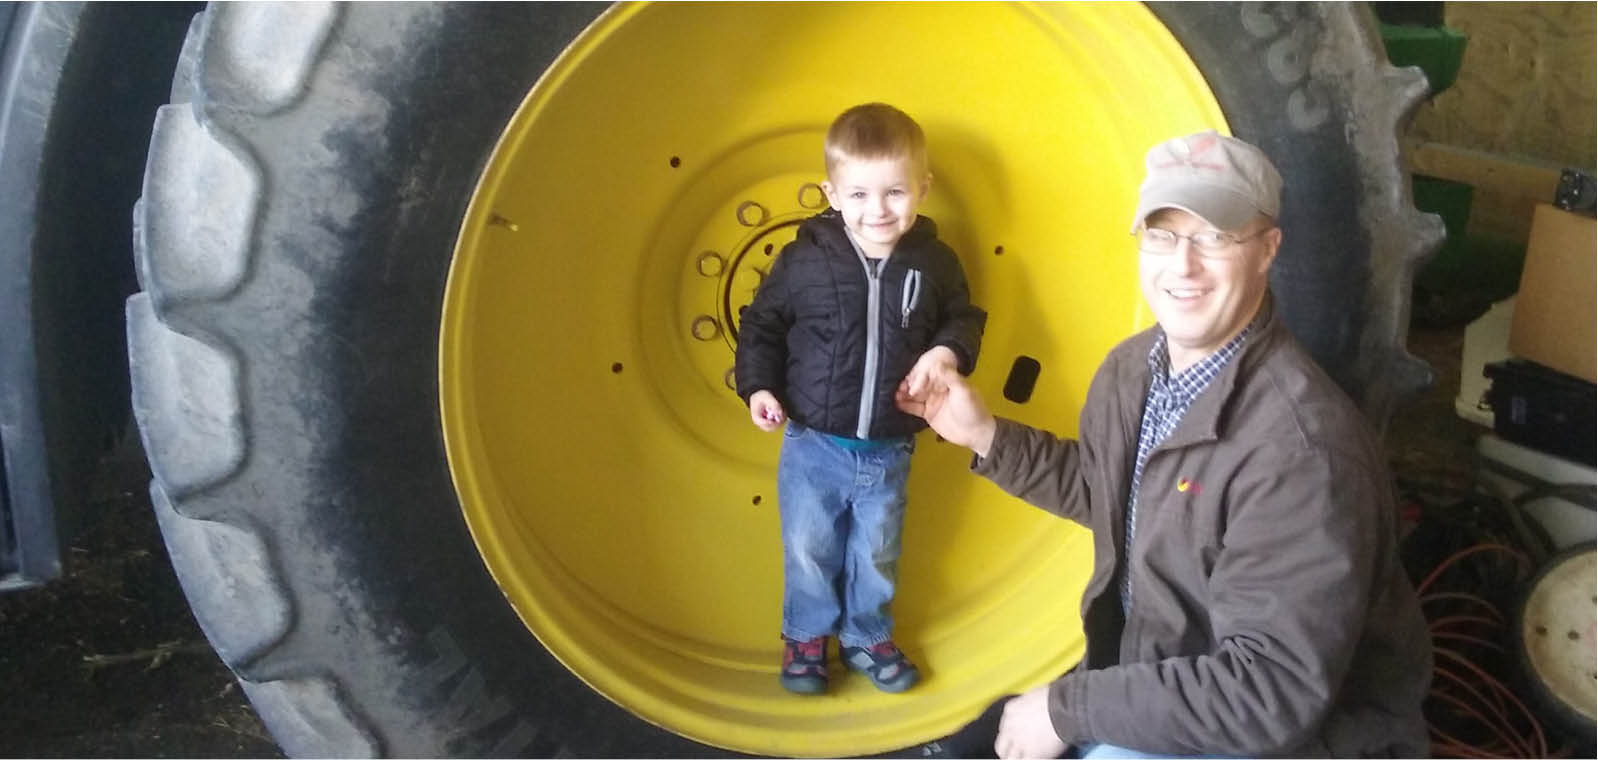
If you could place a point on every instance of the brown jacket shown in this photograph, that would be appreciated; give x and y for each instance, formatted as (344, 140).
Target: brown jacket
(1270, 613)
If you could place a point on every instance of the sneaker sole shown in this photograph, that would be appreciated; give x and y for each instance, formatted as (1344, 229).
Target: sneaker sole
(803, 684)
(910, 677)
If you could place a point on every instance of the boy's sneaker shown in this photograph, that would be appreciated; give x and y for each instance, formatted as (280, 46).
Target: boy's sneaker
(884, 664)
(804, 665)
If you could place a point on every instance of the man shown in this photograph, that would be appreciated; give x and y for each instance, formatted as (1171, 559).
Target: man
(1246, 598)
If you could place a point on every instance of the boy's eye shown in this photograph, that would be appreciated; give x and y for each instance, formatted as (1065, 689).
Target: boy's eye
(896, 191)
(858, 195)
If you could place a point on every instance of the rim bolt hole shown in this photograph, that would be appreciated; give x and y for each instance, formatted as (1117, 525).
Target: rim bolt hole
(705, 327)
(752, 214)
(811, 197)
(710, 264)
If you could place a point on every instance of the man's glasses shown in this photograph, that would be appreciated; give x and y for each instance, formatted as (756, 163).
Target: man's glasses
(1212, 244)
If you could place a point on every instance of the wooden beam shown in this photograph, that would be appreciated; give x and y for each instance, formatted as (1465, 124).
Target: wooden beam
(1494, 172)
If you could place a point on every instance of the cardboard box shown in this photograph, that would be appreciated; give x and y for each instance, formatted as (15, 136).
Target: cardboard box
(1554, 323)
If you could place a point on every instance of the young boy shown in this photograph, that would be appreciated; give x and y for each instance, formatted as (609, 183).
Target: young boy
(865, 297)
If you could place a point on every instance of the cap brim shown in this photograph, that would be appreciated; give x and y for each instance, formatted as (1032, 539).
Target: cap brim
(1223, 209)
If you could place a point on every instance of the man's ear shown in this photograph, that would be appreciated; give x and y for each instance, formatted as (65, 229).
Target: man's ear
(832, 198)
(1273, 242)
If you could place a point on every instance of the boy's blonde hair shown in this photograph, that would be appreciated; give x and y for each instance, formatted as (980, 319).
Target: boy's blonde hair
(873, 132)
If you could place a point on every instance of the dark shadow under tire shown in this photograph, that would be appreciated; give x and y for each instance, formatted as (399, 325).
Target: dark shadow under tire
(301, 201)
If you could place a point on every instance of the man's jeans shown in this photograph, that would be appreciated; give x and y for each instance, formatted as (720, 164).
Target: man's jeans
(842, 512)
(1112, 752)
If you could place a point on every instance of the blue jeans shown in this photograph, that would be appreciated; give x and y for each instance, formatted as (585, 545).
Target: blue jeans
(1112, 752)
(842, 512)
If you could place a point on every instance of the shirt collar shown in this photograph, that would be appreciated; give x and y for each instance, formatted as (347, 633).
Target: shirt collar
(1191, 381)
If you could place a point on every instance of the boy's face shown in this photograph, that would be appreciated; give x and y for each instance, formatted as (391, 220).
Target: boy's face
(877, 199)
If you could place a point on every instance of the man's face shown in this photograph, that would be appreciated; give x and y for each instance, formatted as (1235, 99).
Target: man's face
(877, 199)
(1204, 298)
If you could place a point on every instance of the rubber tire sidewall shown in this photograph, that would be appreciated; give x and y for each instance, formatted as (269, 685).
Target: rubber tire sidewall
(333, 332)
(1309, 85)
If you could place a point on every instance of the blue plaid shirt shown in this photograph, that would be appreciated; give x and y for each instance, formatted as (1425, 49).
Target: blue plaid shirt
(1167, 402)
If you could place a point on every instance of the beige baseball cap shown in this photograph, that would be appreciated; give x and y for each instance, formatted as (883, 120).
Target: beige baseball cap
(1221, 179)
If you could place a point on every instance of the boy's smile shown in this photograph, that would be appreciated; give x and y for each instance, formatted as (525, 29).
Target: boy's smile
(877, 199)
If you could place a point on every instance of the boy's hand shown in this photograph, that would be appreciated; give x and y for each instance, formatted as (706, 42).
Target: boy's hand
(765, 411)
(934, 362)
(953, 408)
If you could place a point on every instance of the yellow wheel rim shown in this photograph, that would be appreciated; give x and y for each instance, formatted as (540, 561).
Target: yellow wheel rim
(610, 476)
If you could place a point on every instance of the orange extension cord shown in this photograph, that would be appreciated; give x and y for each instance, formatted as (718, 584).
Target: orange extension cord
(1464, 692)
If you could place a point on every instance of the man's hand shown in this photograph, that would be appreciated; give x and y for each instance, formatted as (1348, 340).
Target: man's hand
(936, 361)
(952, 407)
(1025, 730)
(766, 411)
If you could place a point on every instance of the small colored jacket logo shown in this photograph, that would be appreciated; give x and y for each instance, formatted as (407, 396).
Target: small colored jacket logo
(1184, 485)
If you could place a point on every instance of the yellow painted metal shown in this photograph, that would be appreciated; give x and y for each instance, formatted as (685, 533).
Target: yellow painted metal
(611, 478)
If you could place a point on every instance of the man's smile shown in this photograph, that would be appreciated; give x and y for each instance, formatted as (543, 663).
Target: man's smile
(1186, 294)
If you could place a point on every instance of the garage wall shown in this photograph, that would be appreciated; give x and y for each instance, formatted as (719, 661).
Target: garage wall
(1525, 89)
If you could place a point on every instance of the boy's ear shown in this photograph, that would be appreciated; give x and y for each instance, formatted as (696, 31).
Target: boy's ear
(926, 185)
(832, 199)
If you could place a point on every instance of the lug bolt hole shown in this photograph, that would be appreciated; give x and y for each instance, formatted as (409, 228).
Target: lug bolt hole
(756, 500)
(751, 214)
(710, 264)
(998, 250)
(811, 197)
(705, 327)
(675, 162)
(616, 368)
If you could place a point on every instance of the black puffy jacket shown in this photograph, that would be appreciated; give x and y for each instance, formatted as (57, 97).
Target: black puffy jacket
(808, 338)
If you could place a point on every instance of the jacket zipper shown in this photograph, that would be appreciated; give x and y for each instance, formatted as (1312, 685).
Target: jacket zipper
(908, 296)
(868, 383)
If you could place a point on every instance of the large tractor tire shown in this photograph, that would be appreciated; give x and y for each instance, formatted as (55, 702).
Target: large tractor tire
(69, 168)
(439, 303)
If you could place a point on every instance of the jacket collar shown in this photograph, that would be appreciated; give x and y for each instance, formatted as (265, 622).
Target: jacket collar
(826, 229)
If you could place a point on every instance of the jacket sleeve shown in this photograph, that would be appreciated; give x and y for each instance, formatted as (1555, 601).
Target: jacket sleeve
(961, 328)
(1288, 592)
(1038, 468)
(761, 360)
